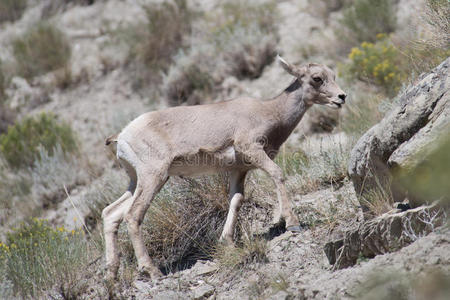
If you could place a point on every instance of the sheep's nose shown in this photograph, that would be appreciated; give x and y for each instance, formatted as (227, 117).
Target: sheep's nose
(342, 97)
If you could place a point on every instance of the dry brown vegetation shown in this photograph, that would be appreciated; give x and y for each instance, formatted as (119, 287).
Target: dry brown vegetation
(182, 55)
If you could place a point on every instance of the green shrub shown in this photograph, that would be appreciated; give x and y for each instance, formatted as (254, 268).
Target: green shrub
(367, 18)
(35, 257)
(20, 145)
(2, 83)
(378, 63)
(6, 114)
(11, 10)
(41, 49)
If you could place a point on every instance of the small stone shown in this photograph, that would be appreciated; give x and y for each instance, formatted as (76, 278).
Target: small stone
(203, 291)
(169, 295)
(281, 295)
(202, 268)
(141, 286)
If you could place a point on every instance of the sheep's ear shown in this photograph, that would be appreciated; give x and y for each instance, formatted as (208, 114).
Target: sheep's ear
(291, 69)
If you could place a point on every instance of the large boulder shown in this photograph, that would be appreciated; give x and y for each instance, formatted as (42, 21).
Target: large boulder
(404, 138)
(384, 234)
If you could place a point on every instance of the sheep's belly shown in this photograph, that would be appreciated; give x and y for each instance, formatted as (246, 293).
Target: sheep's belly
(207, 163)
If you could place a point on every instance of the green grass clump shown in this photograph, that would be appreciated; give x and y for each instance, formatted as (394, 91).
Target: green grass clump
(35, 257)
(41, 49)
(11, 10)
(367, 18)
(292, 163)
(20, 144)
(378, 63)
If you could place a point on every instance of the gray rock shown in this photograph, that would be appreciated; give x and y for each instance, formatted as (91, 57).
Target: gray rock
(420, 117)
(204, 268)
(203, 291)
(169, 295)
(281, 295)
(384, 234)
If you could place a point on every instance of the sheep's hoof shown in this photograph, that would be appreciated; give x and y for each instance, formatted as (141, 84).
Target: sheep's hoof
(294, 228)
(150, 272)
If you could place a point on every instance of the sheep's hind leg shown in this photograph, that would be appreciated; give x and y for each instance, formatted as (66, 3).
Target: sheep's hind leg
(112, 217)
(149, 184)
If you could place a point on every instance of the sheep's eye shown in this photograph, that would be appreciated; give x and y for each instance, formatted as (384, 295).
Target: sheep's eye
(317, 79)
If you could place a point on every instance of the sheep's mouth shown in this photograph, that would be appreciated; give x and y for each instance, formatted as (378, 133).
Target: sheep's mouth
(335, 104)
(339, 105)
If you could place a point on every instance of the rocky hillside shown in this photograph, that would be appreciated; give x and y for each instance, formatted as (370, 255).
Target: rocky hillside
(74, 72)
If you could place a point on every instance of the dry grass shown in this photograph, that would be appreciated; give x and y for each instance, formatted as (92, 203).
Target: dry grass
(249, 250)
(425, 51)
(324, 164)
(362, 110)
(379, 200)
(185, 220)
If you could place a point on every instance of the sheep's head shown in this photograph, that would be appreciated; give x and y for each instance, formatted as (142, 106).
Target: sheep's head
(317, 83)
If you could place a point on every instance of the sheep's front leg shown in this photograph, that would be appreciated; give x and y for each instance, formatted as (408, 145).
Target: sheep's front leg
(236, 194)
(258, 157)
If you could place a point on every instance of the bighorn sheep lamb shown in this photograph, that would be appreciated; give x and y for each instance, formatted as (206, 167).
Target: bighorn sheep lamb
(234, 136)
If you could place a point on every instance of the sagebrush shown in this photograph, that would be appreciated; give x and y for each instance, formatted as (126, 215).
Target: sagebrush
(239, 40)
(364, 19)
(11, 10)
(20, 144)
(35, 257)
(378, 63)
(41, 49)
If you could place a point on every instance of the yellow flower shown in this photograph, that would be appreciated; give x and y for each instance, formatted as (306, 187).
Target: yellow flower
(380, 36)
(355, 52)
(61, 229)
(73, 232)
(13, 246)
(35, 244)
